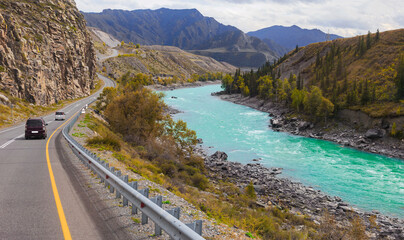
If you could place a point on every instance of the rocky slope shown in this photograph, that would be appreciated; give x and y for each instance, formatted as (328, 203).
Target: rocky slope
(187, 29)
(163, 62)
(46, 53)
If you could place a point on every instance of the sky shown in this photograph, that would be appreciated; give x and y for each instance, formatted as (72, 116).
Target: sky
(346, 18)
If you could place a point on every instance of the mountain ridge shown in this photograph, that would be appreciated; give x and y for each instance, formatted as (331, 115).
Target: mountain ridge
(187, 29)
(289, 37)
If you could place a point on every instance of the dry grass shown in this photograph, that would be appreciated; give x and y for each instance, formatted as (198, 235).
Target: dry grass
(163, 62)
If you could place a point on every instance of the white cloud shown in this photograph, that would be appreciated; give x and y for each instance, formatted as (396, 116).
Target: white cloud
(343, 17)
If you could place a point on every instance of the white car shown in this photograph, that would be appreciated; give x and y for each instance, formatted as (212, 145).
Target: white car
(60, 116)
(83, 110)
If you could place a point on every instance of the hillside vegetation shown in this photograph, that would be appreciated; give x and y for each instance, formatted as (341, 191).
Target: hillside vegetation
(362, 73)
(163, 64)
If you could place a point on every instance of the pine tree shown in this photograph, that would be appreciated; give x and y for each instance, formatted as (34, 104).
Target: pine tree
(365, 93)
(377, 35)
(339, 67)
(299, 83)
(345, 86)
(362, 47)
(318, 60)
(373, 98)
(400, 79)
(368, 41)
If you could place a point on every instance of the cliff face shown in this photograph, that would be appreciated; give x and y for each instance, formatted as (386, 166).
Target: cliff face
(46, 53)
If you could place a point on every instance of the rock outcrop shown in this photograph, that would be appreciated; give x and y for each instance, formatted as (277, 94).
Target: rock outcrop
(46, 53)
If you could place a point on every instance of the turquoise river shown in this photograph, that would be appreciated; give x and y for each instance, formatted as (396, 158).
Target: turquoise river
(367, 181)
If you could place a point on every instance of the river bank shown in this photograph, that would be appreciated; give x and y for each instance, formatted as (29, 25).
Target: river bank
(279, 192)
(282, 192)
(339, 132)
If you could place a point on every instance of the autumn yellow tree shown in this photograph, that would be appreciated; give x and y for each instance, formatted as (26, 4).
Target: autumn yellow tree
(265, 87)
(136, 115)
(312, 100)
(325, 109)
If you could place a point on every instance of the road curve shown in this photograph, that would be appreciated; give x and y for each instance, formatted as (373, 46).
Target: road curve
(27, 201)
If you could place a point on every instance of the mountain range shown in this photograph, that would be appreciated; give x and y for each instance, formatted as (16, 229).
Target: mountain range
(289, 37)
(187, 29)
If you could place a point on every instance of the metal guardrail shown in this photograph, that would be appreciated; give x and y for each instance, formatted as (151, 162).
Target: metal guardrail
(167, 220)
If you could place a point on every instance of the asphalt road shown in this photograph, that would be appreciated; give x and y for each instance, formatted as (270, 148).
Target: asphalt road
(27, 199)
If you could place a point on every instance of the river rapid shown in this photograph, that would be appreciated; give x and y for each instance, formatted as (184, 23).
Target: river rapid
(366, 181)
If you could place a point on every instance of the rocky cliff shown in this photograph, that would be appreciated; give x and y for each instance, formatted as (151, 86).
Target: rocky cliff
(46, 53)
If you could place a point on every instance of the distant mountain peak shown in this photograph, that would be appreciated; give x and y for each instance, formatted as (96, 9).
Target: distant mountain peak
(289, 37)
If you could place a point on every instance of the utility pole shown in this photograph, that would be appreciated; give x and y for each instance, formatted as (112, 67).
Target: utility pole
(328, 36)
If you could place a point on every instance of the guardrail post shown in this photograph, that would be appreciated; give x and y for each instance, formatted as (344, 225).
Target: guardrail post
(134, 186)
(125, 200)
(175, 212)
(144, 192)
(196, 226)
(158, 200)
(111, 188)
(107, 167)
(118, 174)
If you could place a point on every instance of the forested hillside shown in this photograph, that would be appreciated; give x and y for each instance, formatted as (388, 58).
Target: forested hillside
(363, 73)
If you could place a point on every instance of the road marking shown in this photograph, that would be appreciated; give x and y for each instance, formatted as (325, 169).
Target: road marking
(9, 129)
(9, 142)
(62, 218)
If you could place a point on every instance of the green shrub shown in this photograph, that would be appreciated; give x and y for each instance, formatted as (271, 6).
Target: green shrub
(248, 234)
(200, 181)
(107, 141)
(250, 191)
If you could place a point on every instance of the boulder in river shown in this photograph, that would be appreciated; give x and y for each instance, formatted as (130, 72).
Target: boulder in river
(275, 123)
(375, 133)
(221, 156)
(303, 126)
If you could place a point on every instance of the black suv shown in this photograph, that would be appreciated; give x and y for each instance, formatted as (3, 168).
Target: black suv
(35, 127)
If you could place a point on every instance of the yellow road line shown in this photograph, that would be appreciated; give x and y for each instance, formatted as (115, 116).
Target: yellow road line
(63, 222)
